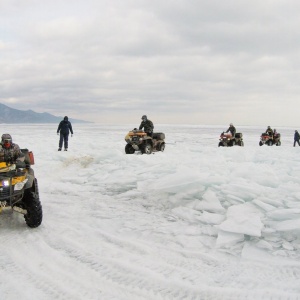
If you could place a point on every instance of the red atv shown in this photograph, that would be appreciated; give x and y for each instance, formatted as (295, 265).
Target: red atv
(266, 139)
(227, 140)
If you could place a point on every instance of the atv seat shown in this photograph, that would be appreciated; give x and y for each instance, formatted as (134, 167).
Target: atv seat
(137, 132)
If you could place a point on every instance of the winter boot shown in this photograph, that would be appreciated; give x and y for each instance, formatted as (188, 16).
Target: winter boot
(66, 149)
(59, 149)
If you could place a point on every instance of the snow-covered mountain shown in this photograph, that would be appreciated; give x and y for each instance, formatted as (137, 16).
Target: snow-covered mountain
(193, 222)
(13, 116)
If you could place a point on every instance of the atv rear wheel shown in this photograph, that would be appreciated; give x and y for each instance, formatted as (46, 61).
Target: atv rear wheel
(162, 147)
(278, 143)
(129, 149)
(146, 148)
(32, 204)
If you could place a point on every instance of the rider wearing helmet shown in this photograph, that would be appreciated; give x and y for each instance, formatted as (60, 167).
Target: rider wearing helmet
(231, 129)
(147, 125)
(269, 131)
(9, 151)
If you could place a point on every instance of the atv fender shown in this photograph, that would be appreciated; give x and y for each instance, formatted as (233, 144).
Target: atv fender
(30, 177)
(148, 139)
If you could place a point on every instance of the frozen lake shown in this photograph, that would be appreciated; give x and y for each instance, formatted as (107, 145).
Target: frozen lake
(194, 222)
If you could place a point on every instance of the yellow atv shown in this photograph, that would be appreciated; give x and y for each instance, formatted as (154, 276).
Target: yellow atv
(19, 190)
(138, 140)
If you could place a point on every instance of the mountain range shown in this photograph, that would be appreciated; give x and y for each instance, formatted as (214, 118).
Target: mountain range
(11, 115)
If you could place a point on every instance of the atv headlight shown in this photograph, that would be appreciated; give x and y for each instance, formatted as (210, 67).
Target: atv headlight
(20, 185)
(5, 182)
(141, 139)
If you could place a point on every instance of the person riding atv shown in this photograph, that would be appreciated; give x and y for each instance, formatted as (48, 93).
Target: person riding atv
(230, 137)
(18, 185)
(231, 130)
(270, 138)
(147, 125)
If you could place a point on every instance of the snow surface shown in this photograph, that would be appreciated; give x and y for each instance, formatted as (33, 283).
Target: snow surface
(193, 222)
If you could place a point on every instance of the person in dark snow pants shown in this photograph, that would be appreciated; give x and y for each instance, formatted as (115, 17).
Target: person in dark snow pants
(296, 138)
(64, 129)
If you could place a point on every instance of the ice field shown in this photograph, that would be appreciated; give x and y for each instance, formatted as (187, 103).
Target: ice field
(193, 222)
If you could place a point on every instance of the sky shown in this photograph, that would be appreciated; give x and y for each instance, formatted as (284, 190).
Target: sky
(184, 62)
(194, 222)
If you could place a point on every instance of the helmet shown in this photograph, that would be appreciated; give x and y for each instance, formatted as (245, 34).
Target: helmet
(230, 124)
(6, 140)
(144, 117)
(269, 127)
(65, 118)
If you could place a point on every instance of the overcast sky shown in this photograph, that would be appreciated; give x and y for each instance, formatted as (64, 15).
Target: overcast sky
(180, 61)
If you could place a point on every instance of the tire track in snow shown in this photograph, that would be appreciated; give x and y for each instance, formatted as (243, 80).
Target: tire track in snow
(158, 279)
(141, 276)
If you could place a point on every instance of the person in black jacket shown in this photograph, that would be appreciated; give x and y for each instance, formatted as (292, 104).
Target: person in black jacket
(296, 138)
(270, 131)
(147, 125)
(64, 128)
(231, 130)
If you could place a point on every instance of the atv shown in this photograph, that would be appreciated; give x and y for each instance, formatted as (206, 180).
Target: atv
(138, 140)
(266, 139)
(19, 189)
(226, 140)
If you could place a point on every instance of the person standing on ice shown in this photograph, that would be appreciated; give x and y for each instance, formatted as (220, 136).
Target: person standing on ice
(147, 125)
(296, 138)
(64, 129)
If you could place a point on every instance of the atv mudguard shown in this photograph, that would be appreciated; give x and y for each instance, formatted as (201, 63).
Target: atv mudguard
(29, 158)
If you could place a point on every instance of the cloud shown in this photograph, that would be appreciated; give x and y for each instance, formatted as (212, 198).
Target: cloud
(191, 62)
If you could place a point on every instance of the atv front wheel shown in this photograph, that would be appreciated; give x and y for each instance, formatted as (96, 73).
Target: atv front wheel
(278, 143)
(146, 149)
(129, 149)
(270, 143)
(32, 204)
(221, 144)
(260, 143)
(241, 143)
